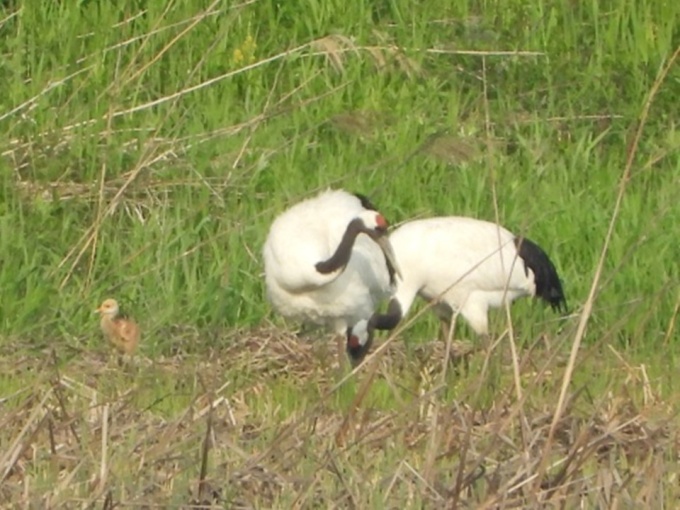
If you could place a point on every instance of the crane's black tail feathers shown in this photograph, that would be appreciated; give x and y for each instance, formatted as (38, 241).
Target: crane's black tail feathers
(548, 284)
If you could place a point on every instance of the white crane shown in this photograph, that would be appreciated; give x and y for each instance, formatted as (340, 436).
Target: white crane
(464, 265)
(320, 269)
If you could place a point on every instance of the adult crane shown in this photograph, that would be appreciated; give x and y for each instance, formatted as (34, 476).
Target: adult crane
(466, 266)
(328, 261)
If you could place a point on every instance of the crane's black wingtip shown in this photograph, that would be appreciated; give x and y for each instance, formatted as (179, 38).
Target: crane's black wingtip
(548, 283)
(559, 305)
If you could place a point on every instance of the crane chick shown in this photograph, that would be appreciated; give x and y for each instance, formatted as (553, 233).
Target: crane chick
(121, 331)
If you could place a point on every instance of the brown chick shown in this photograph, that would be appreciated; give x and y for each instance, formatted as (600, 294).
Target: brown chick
(122, 332)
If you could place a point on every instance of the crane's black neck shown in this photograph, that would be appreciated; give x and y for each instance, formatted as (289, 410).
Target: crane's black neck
(365, 202)
(378, 321)
(340, 258)
(386, 321)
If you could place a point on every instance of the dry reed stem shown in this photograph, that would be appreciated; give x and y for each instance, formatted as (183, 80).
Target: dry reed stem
(588, 306)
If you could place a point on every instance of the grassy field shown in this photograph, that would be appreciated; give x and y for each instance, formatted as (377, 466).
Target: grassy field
(145, 150)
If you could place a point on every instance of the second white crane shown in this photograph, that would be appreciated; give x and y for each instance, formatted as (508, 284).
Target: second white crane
(464, 265)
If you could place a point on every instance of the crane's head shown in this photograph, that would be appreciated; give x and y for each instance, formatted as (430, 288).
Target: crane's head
(359, 340)
(109, 308)
(375, 226)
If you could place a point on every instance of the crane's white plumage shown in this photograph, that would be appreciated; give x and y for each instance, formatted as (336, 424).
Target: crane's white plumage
(465, 265)
(307, 273)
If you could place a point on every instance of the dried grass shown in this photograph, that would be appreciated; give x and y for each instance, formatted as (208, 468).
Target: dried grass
(70, 439)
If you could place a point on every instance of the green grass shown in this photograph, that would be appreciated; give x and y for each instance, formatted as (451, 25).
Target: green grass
(145, 149)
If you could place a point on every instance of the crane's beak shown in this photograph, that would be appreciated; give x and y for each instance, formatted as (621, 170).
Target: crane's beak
(98, 310)
(386, 247)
